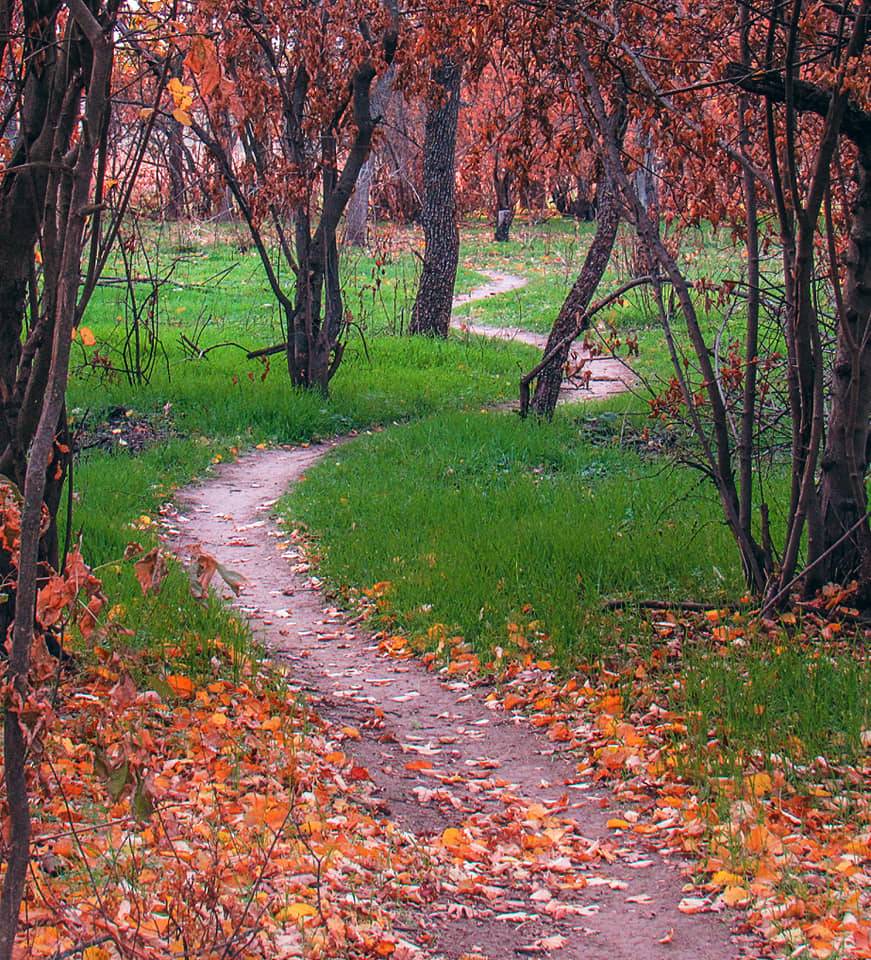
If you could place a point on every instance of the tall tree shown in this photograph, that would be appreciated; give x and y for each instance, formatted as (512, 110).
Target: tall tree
(431, 314)
(830, 503)
(56, 61)
(295, 83)
(792, 80)
(357, 212)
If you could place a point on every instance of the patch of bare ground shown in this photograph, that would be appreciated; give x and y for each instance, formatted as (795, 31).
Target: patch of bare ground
(443, 758)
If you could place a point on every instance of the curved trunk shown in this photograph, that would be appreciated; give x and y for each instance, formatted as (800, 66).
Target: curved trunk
(569, 322)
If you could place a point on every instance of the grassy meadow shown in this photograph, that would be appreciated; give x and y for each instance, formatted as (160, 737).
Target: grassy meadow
(477, 520)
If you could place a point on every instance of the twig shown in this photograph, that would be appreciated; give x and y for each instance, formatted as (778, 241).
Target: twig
(689, 605)
(81, 947)
(580, 324)
(198, 353)
(766, 609)
(267, 351)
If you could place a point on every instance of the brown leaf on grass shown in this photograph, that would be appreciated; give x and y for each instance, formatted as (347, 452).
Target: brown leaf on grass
(208, 566)
(151, 571)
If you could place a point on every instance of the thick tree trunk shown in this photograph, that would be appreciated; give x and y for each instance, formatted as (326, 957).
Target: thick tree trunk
(355, 233)
(357, 213)
(567, 325)
(431, 314)
(842, 495)
(175, 207)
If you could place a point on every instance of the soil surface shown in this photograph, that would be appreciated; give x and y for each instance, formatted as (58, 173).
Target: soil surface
(618, 896)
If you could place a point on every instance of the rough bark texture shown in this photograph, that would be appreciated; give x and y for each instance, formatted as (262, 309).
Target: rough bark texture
(502, 183)
(568, 324)
(431, 314)
(357, 212)
(844, 463)
(175, 205)
(79, 66)
(356, 233)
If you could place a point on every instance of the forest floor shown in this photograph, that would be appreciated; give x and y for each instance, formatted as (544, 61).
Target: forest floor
(531, 853)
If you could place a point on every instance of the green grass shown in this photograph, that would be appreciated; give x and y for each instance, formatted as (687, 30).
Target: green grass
(777, 704)
(206, 401)
(474, 517)
(477, 520)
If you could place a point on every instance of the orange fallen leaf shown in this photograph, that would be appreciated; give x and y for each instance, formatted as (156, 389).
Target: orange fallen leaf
(180, 686)
(452, 837)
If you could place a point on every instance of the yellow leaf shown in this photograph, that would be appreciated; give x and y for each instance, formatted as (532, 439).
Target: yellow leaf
(178, 89)
(758, 784)
(616, 824)
(182, 116)
(452, 837)
(296, 911)
(352, 733)
(95, 953)
(733, 895)
(146, 113)
(180, 686)
(87, 335)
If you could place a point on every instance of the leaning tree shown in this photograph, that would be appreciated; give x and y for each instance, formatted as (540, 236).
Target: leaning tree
(760, 115)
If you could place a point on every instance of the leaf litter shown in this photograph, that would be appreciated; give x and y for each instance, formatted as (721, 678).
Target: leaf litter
(213, 818)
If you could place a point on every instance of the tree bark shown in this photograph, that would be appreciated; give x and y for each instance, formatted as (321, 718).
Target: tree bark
(65, 209)
(175, 206)
(843, 500)
(566, 327)
(835, 507)
(357, 213)
(502, 183)
(356, 231)
(572, 316)
(431, 314)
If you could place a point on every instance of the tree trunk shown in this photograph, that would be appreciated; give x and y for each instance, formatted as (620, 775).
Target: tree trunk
(842, 496)
(431, 314)
(357, 212)
(175, 167)
(504, 203)
(567, 326)
(78, 70)
(355, 233)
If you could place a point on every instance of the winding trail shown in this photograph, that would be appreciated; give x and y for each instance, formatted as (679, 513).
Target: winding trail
(608, 375)
(618, 895)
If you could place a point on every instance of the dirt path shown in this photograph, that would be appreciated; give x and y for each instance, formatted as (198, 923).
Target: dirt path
(628, 892)
(608, 375)
(603, 894)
